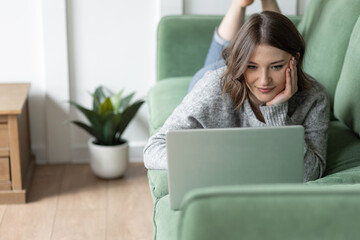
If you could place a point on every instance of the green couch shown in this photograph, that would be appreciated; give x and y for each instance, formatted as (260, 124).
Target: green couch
(328, 208)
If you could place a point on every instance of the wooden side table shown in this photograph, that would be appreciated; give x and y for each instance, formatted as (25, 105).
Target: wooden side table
(16, 160)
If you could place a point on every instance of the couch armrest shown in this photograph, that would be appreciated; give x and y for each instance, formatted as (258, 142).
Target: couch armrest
(158, 182)
(163, 99)
(272, 212)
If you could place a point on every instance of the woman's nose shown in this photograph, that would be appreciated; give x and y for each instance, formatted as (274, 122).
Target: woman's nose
(265, 77)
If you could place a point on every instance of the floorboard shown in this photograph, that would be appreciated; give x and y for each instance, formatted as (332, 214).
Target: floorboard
(129, 209)
(33, 220)
(69, 202)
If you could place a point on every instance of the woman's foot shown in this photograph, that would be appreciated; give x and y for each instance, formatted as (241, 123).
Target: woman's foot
(270, 5)
(243, 3)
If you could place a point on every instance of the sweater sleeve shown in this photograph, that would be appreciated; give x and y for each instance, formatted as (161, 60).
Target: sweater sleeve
(315, 110)
(316, 133)
(275, 115)
(155, 155)
(193, 112)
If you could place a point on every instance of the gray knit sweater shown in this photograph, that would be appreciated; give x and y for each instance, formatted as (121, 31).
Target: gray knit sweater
(205, 107)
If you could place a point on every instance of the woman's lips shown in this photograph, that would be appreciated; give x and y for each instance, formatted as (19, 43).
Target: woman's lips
(265, 90)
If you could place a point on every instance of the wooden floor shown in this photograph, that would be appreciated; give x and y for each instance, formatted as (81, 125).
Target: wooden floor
(69, 202)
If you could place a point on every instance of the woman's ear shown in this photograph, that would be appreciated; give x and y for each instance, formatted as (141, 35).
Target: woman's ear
(297, 56)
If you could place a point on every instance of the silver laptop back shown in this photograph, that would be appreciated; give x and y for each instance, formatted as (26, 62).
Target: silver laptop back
(227, 156)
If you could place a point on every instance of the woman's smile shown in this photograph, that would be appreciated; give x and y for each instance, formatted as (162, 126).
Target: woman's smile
(266, 90)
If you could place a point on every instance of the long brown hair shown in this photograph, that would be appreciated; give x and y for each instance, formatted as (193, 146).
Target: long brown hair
(269, 28)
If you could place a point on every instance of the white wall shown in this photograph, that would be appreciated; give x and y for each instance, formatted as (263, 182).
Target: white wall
(66, 48)
(111, 43)
(21, 58)
(288, 7)
(220, 7)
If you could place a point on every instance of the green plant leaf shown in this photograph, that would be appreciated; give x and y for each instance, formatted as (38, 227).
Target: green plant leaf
(110, 115)
(106, 107)
(98, 98)
(128, 114)
(109, 132)
(125, 102)
(88, 129)
(117, 117)
(96, 103)
(108, 92)
(116, 100)
(93, 117)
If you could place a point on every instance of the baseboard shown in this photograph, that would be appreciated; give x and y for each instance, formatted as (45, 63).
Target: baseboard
(136, 151)
(40, 154)
(80, 153)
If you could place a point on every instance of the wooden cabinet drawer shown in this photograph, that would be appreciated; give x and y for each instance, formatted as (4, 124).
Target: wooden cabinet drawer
(5, 183)
(3, 119)
(4, 139)
(4, 169)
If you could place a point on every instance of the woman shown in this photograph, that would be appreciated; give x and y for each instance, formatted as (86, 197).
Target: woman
(262, 84)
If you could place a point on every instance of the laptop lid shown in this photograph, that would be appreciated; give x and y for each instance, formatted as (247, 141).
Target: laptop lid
(227, 156)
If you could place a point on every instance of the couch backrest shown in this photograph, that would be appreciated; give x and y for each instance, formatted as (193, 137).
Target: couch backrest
(182, 44)
(326, 27)
(347, 94)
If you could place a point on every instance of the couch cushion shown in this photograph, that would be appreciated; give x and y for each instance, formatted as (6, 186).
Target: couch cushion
(165, 220)
(158, 182)
(163, 98)
(347, 95)
(348, 176)
(343, 149)
(326, 28)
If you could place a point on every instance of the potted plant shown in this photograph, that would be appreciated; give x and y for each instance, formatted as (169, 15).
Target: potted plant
(110, 115)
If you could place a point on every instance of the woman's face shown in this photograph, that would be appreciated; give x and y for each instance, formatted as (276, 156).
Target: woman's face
(265, 75)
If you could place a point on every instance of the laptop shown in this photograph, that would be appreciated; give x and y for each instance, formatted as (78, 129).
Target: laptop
(230, 156)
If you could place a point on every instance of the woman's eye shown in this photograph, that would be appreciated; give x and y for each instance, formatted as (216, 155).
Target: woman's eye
(277, 67)
(251, 67)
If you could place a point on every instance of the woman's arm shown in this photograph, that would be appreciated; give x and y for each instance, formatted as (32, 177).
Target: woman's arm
(155, 155)
(312, 112)
(316, 133)
(203, 107)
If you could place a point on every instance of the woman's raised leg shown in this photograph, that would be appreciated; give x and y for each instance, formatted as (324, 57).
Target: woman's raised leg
(230, 24)
(270, 5)
(233, 19)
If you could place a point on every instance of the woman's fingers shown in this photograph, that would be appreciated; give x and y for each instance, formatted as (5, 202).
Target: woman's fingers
(288, 83)
(291, 78)
(294, 76)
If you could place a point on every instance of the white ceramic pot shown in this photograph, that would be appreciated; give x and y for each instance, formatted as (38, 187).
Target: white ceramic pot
(108, 161)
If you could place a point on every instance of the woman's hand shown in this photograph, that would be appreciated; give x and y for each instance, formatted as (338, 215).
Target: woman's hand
(291, 85)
